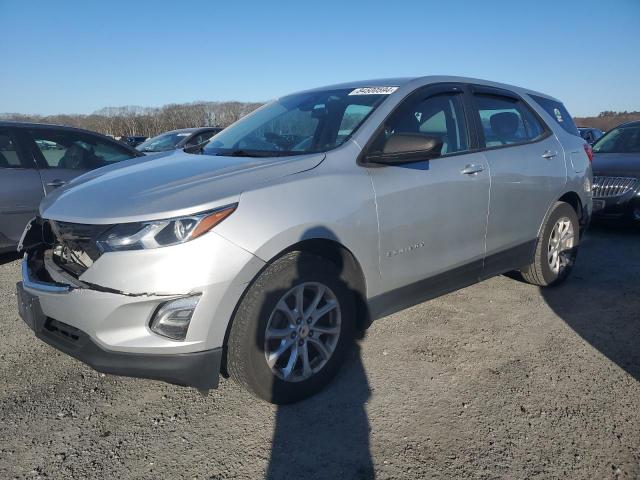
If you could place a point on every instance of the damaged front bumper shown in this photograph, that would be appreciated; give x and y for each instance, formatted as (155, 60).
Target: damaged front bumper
(196, 369)
(103, 316)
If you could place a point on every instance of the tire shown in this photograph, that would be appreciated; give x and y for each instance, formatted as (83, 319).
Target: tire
(541, 272)
(249, 345)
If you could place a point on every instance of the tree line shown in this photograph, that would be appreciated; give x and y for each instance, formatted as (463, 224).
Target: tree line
(150, 121)
(147, 121)
(607, 120)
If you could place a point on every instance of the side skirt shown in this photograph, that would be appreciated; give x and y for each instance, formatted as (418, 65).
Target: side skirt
(447, 282)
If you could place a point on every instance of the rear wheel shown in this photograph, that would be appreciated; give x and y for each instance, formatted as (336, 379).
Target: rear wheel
(292, 329)
(556, 249)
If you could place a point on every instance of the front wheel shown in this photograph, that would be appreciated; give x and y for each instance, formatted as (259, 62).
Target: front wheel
(556, 249)
(292, 329)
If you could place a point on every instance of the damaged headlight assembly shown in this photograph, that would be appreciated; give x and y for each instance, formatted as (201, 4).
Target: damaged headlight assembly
(161, 233)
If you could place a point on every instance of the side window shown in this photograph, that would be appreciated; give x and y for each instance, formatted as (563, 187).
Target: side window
(200, 138)
(76, 151)
(506, 121)
(353, 116)
(439, 115)
(558, 112)
(9, 157)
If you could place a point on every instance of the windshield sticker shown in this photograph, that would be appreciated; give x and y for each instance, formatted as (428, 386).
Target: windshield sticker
(182, 134)
(558, 114)
(373, 91)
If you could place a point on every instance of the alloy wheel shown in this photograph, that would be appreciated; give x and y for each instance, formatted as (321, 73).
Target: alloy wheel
(560, 252)
(302, 332)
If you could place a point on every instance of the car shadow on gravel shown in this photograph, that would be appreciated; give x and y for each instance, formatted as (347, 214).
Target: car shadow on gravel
(326, 435)
(8, 257)
(601, 299)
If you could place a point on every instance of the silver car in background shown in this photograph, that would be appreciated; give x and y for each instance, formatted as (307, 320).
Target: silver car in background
(37, 158)
(300, 224)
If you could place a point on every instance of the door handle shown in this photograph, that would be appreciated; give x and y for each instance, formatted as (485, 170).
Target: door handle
(472, 169)
(548, 154)
(56, 183)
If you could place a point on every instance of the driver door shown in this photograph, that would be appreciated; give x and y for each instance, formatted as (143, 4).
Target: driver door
(432, 214)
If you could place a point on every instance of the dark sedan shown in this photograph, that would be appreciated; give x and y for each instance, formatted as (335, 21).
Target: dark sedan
(616, 173)
(37, 158)
(177, 139)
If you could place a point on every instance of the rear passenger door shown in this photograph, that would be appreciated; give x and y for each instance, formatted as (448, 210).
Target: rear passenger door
(528, 171)
(20, 188)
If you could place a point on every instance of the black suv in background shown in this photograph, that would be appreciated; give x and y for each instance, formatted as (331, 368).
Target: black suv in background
(37, 158)
(616, 173)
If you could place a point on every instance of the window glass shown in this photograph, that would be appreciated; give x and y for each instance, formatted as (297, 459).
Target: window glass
(624, 139)
(77, 151)
(307, 122)
(558, 112)
(506, 121)
(439, 116)
(162, 142)
(200, 138)
(8, 152)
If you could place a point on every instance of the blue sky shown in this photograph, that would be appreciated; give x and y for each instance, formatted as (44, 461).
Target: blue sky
(79, 56)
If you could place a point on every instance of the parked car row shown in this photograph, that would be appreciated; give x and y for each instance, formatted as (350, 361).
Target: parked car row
(260, 256)
(37, 158)
(177, 139)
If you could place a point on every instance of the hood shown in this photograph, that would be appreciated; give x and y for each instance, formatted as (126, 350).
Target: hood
(616, 164)
(165, 185)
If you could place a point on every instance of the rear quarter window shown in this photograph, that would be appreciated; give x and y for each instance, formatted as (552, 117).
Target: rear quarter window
(558, 112)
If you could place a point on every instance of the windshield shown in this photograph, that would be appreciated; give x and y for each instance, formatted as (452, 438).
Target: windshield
(161, 143)
(302, 123)
(620, 140)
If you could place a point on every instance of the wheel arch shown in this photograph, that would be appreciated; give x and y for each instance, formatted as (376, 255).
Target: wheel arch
(335, 252)
(573, 199)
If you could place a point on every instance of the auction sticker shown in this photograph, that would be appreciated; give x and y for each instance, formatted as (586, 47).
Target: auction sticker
(373, 91)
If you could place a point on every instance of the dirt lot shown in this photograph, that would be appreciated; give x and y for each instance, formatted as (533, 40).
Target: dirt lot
(500, 380)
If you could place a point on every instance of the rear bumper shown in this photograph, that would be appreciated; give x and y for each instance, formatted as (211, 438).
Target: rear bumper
(195, 369)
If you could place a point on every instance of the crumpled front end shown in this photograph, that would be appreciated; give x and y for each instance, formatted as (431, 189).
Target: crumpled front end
(103, 307)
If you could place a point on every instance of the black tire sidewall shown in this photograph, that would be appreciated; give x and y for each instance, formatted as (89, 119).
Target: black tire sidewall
(256, 308)
(559, 210)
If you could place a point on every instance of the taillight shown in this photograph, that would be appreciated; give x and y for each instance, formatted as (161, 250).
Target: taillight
(589, 151)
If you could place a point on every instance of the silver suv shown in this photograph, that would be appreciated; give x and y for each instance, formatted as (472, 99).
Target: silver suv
(262, 256)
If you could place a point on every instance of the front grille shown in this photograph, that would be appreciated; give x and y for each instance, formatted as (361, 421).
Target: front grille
(75, 247)
(609, 187)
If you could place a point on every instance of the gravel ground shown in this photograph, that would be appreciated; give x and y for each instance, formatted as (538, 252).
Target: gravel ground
(499, 380)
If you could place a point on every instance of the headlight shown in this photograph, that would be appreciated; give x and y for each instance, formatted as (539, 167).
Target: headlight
(162, 233)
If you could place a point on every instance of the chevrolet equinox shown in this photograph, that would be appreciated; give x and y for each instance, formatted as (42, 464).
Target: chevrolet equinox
(262, 254)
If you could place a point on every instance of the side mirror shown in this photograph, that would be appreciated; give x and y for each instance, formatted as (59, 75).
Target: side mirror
(406, 148)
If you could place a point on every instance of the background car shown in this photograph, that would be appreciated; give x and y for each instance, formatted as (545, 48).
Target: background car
(177, 139)
(37, 158)
(591, 135)
(616, 173)
(133, 141)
